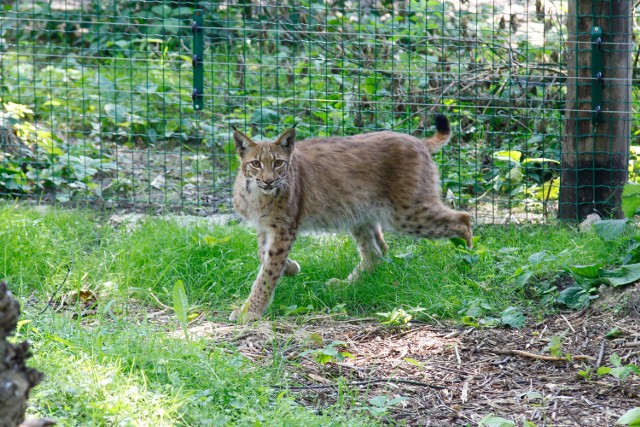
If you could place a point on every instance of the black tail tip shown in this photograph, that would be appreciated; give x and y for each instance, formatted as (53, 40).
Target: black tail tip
(442, 124)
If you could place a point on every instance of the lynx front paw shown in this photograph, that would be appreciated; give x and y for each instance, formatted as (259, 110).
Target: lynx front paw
(292, 268)
(243, 316)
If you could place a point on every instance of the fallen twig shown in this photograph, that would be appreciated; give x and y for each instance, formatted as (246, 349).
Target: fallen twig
(359, 383)
(600, 355)
(542, 356)
(46, 307)
(631, 344)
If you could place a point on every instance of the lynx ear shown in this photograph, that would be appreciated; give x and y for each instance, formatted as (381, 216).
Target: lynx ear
(287, 139)
(242, 141)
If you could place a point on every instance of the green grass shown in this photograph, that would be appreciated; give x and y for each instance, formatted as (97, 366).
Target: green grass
(116, 368)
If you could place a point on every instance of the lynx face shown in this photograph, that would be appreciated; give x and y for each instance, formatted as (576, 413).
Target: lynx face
(265, 164)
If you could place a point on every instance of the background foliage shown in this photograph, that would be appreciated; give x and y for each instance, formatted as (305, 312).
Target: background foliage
(95, 96)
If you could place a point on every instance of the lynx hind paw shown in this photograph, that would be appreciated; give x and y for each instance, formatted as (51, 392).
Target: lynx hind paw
(243, 316)
(335, 282)
(292, 268)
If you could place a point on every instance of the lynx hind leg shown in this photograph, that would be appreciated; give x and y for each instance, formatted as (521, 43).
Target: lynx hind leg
(371, 246)
(435, 221)
(384, 248)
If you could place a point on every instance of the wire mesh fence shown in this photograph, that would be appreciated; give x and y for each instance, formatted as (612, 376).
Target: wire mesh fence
(97, 99)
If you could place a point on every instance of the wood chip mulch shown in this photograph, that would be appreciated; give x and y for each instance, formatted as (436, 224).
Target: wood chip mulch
(448, 375)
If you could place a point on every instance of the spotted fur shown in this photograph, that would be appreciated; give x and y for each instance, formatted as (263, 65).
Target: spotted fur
(361, 184)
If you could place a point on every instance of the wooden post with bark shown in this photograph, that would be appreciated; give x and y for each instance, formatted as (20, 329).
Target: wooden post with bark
(16, 378)
(595, 149)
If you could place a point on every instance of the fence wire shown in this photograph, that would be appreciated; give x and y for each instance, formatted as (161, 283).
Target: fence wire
(96, 106)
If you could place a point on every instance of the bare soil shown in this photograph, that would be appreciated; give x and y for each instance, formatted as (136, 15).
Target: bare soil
(453, 375)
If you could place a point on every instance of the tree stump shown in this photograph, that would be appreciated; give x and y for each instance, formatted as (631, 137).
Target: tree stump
(16, 379)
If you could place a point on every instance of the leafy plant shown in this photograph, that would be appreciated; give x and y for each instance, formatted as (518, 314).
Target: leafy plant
(555, 346)
(398, 316)
(329, 354)
(478, 314)
(380, 405)
(618, 370)
(181, 306)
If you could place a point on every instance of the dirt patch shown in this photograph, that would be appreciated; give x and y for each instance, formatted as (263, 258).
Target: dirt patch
(452, 376)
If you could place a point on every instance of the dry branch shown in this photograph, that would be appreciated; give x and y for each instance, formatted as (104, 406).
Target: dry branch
(542, 356)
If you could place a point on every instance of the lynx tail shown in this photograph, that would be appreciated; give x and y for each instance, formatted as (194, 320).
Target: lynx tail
(442, 135)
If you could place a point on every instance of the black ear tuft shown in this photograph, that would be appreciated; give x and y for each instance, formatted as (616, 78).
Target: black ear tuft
(288, 138)
(242, 141)
(442, 124)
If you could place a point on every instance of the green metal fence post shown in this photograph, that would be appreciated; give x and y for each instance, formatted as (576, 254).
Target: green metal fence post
(197, 60)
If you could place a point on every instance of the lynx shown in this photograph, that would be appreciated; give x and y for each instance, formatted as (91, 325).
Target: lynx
(358, 183)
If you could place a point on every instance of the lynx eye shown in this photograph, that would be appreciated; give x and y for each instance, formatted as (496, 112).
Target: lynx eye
(278, 163)
(256, 164)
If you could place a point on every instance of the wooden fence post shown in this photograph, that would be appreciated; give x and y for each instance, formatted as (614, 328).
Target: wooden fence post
(595, 149)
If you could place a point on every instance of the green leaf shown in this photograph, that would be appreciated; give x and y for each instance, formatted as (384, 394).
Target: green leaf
(587, 271)
(610, 229)
(621, 276)
(614, 333)
(161, 10)
(630, 418)
(522, 278)
(574, 297)
(413, 362)
(510, 155)
(549, 190)
(586, 276)
(555, 346)
(539, 257)
(630, 199)
(181, 306)
(397, 400)
(379, 400)
(171, 25)
(513, 317)
(459, 242)
(264, 116)
(539, 160)
(491, 421)
(182, 11)
(615, 360)
(116, 112)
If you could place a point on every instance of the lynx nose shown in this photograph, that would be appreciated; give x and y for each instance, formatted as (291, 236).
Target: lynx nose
(267, 181)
